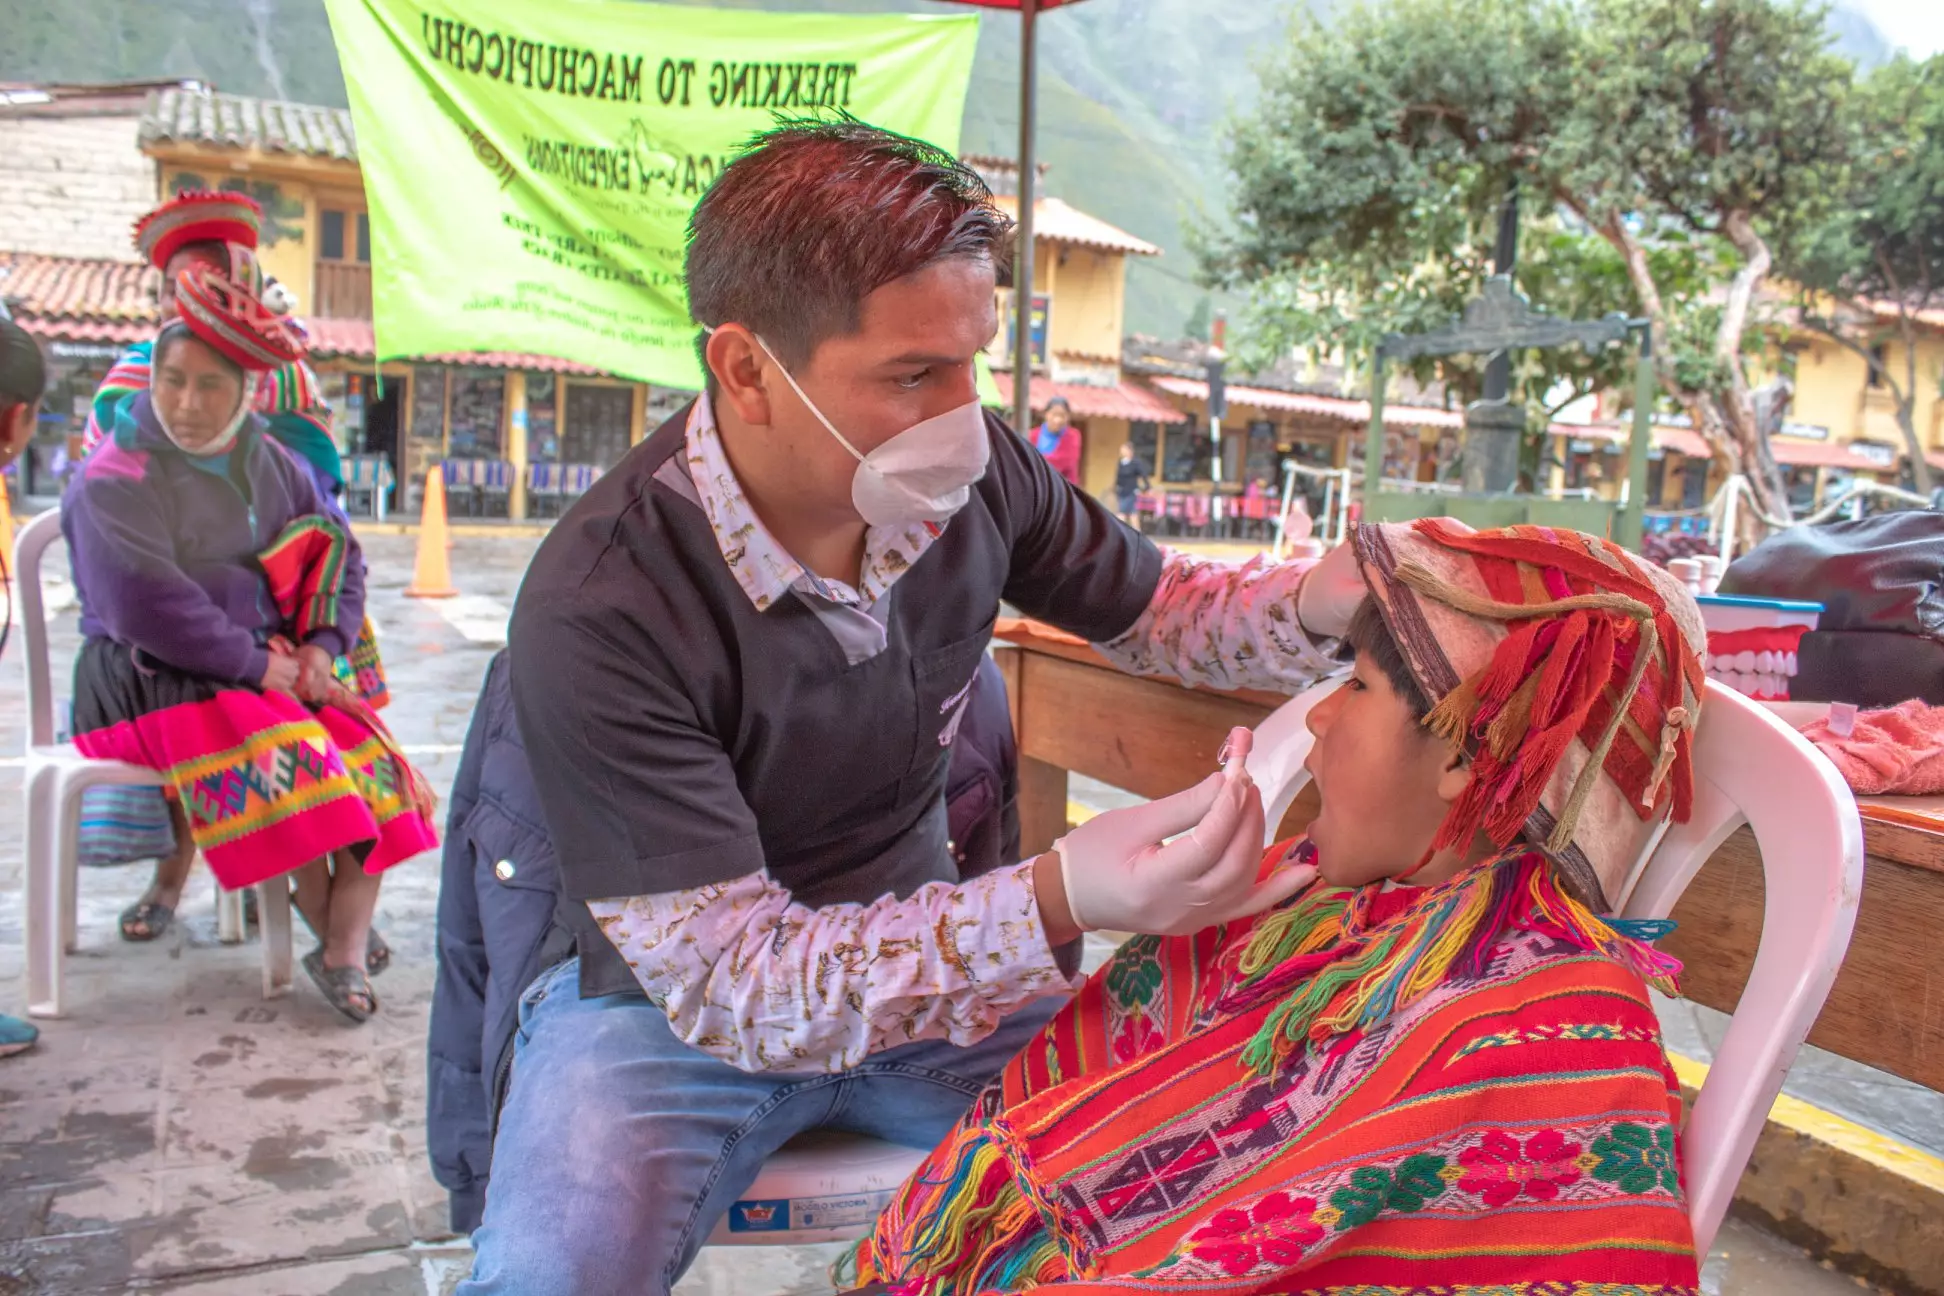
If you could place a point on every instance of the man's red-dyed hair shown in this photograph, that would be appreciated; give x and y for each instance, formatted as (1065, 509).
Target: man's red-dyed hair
(819, 214)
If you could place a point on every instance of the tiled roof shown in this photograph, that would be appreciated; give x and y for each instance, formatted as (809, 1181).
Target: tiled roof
(352, 339)
(78, 299)
(1123, 401)
(211, 119)
(1056, 222)
(1888, 312)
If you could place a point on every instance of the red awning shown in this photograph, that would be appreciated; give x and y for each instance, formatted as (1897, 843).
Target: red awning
(1044, 5)
(1330, 407)
(352, 339)
(1124, 400)
(1826, 454)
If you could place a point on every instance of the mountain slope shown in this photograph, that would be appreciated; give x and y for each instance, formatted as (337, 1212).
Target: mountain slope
(1133, 93)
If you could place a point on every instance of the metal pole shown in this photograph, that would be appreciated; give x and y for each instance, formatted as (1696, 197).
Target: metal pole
(1505, 258)
(1215, 469)
(1282, 514)
(1023, 260)
(1632, 519)
(1374, 440)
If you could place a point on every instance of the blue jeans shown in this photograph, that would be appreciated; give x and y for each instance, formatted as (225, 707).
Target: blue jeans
(620, 1146)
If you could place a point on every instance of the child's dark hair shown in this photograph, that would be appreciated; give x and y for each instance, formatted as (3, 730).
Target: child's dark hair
(1370, 636)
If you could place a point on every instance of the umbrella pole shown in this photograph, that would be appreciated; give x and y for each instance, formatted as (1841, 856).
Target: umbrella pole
(1023, 260)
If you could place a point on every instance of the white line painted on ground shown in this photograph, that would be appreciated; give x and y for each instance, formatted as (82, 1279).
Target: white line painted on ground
(478, 618)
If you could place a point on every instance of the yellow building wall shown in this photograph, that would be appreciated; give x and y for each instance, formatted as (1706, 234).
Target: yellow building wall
(1088, 302)
(1100, 455)
(1833, 391)
(290, 190)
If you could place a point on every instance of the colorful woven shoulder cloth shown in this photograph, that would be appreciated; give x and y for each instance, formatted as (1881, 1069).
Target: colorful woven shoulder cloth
(1510, 1128)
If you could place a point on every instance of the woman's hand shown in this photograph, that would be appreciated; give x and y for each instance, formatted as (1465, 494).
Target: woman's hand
(314, 674)
(281, 675)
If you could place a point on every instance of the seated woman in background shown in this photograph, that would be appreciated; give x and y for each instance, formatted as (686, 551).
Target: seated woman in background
(1439, 1068)
(218, 597)
(220, 229)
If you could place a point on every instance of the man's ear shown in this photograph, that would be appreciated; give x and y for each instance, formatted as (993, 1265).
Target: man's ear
(737, 360)
(1456, 774)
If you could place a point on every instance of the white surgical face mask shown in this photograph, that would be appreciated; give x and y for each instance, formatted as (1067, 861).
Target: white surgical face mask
(923, 474)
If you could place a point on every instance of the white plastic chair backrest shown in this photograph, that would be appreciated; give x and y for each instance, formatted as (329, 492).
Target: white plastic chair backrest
(1751, 768)
(28, 548)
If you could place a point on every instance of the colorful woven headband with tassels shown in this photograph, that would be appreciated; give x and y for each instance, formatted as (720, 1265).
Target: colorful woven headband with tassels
(234, 322)
(1592, 652)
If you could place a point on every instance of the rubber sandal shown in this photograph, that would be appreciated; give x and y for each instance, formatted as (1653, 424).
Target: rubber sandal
(339, 984)
(377, 953)
(154, 916)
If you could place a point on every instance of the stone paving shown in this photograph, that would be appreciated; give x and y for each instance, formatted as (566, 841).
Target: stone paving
(177, 1133)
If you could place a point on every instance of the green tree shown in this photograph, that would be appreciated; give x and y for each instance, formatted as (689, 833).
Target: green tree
(1866, 273)
(1199, 319)
(1682, 129)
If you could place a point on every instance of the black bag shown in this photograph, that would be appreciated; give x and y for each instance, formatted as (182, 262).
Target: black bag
(1881, 583)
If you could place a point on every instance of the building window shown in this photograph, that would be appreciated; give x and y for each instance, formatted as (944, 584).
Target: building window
(1261, 465)
(1879, 361)
(596, 429)
(1187, 456)
(1146, 440)
(543, 440)
(344, 236)
(478, 404)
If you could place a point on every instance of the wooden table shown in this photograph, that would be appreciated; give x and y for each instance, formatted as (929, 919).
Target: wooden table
(1073, 712)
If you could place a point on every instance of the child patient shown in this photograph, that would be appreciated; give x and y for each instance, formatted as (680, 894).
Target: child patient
(1437, 1068)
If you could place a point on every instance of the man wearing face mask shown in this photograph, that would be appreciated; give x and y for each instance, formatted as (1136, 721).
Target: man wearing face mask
(738, 664)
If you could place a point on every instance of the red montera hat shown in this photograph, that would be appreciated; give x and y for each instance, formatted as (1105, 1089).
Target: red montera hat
(235, 323)
(1570, 670)
(198, 216)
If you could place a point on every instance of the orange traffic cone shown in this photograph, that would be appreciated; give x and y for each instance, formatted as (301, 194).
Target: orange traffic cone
(432, 576)
(6, 534)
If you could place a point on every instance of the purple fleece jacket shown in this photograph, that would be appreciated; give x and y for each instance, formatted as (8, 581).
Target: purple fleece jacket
(164, 552)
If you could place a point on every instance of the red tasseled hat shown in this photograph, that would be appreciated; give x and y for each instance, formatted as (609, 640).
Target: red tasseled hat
(235, 323)
(198, 216)
(1567, 667)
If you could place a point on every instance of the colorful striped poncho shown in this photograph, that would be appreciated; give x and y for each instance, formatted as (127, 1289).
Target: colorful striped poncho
(1457, 1090)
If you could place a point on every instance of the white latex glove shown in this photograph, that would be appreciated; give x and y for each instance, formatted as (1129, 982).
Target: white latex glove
(1122, 873)
(1330, 593)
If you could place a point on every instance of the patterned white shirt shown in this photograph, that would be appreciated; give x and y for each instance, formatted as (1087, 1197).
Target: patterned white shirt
(750, 976)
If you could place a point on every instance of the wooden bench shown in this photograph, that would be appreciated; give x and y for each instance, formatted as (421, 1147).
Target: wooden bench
(1074, 713)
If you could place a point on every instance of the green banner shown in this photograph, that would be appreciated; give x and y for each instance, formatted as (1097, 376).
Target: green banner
(530, 168)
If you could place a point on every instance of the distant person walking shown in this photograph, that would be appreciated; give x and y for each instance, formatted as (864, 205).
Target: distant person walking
(1059, 440)
(1130, 479)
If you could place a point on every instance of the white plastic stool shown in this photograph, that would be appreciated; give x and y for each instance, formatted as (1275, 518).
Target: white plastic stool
(824, 1186)
(56, 776)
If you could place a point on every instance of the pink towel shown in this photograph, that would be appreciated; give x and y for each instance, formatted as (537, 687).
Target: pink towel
(1899, 751)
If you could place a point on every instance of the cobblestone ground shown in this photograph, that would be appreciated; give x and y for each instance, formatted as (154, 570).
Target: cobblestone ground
(178, 1133)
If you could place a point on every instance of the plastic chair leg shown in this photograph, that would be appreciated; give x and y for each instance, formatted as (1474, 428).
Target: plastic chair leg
(69, 858)
(273, 915)
(42, 910)
(229, 917)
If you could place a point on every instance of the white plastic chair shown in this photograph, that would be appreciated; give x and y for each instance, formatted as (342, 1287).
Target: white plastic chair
(56, 776)
(1750, 767)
